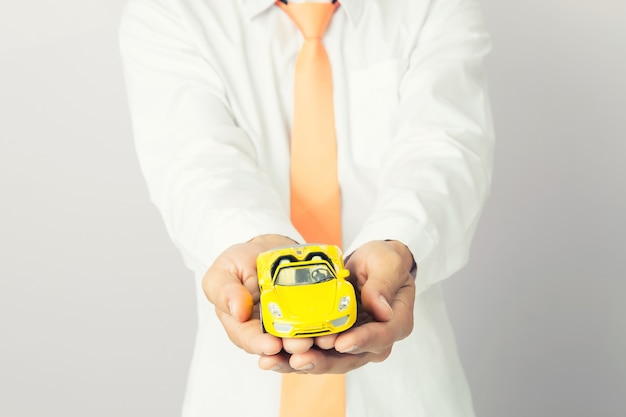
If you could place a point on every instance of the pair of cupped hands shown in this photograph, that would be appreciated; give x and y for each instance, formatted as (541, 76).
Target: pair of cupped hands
(380, 272)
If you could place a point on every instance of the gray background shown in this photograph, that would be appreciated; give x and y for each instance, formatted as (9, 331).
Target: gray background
(96, 308)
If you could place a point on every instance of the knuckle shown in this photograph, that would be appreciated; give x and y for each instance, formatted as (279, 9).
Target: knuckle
(320, 368)
(387, 259)
(354, 362)
(380, 350)
(379, 357)
(407, 329)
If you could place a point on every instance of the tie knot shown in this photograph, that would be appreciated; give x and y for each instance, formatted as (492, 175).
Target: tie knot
(311, 18)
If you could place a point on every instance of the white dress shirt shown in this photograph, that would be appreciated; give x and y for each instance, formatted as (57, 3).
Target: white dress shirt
(210, 85)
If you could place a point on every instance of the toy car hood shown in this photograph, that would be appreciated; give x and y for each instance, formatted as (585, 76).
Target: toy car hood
(299, 301)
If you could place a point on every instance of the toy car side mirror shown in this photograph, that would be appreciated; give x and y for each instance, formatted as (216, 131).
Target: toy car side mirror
(343, 273)
(263, 283)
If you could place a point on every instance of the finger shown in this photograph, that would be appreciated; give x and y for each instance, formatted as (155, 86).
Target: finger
(379, 271)
(297, 345)
(276, 363)
(332, 362)
(222, 285)
(249, 336)
(377, 337)
(373, 337)
(384, 278)
(326, 342)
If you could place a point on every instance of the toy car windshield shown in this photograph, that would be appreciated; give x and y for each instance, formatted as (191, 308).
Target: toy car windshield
(294, 274)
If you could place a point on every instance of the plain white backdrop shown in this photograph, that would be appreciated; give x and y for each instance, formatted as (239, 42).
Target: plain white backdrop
(97, 312)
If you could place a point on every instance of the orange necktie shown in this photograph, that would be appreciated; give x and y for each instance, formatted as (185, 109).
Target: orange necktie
(315, 198)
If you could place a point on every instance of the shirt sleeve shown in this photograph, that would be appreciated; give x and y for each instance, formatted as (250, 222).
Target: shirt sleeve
(200, 167)
(435, 177)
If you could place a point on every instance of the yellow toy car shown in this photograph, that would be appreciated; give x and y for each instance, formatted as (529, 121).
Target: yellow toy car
(304, 291)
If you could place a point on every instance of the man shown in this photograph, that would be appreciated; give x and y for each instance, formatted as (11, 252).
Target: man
(211, 86)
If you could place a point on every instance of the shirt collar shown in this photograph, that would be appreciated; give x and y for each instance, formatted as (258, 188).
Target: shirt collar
(353, 8)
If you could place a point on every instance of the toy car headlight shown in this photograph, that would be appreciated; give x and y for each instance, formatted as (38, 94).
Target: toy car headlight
(275, 310)
(344, 302)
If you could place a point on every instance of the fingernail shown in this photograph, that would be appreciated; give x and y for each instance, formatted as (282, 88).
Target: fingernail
(231, 307)
(351, 349)
(276, 368)
(305, 367)
(384, 301)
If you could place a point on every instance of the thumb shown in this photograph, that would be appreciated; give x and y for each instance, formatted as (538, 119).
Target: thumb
(381, 271)
(223, 287)
(376, 296)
